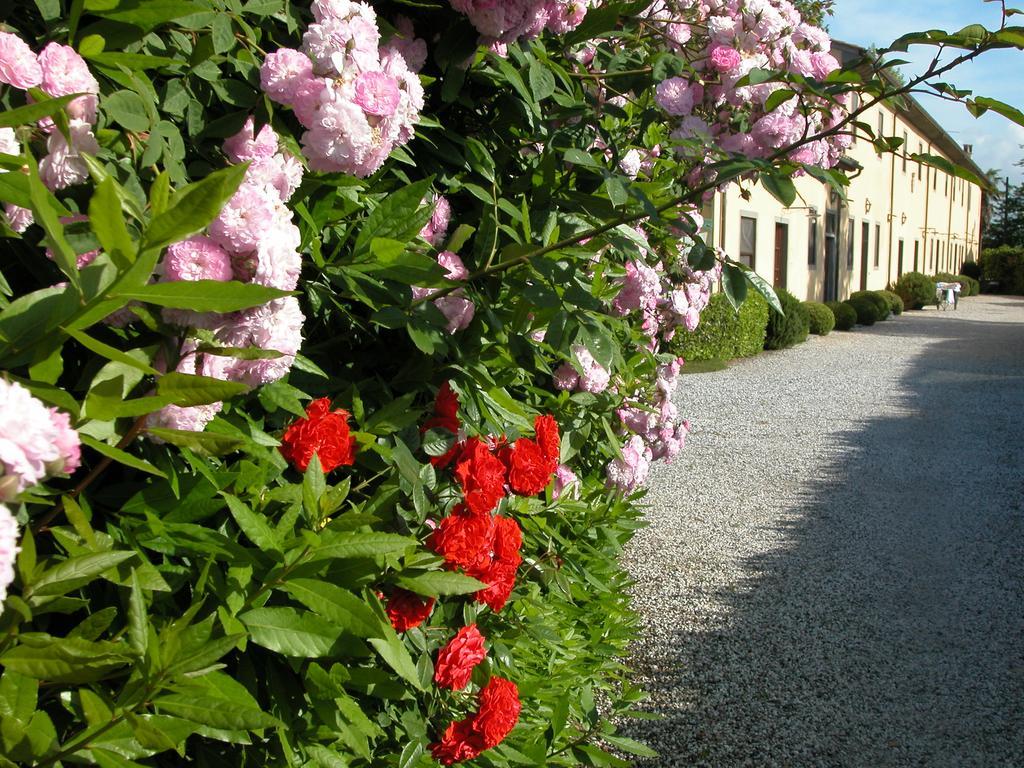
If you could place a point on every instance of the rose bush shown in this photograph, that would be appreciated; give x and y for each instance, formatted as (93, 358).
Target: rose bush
(332, 341)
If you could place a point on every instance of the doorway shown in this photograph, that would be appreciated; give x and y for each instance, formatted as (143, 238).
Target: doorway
(916, 248)
(781, 254)
(831, 254)
(899, 260)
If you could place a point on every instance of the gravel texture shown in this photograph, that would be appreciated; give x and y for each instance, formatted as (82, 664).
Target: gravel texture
(834, 569)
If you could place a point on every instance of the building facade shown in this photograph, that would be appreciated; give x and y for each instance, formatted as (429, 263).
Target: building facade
(898, 216)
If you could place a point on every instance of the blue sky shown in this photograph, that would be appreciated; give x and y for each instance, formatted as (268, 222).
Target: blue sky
(999, 74)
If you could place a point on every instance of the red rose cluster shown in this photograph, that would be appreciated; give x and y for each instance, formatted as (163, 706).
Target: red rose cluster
(323, 432)
(497, 714)
(406, 609)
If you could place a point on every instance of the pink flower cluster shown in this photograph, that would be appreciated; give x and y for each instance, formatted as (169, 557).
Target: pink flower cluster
(584, 375)
(456, 308)
(356, 99)
(654, 429)
(253, 240)
(506, 21)
(437, 228)
(725, 40)
(36, 442)
(8, 550)
(59, 71)
(665, 304)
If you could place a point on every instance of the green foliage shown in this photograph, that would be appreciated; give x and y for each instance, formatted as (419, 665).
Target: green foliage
(846, 316)
(969, 286)
(1005, 266)
(821, 319)
(864, 308)
(789, 329)
(915, 289)
(188, 597)
(971, 269)
(725, 333)
(877, 300)
(894, 300)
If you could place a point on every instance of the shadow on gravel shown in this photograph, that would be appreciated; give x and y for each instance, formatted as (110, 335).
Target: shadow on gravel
(889, 630)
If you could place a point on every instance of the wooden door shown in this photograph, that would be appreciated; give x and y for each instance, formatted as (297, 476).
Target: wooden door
(781, 254)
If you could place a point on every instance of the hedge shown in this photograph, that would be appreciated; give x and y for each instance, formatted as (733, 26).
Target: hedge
(846, 316)
(725, 333)
(916, 290)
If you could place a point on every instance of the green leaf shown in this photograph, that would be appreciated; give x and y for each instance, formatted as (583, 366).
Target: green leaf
(109, 352)
(542, 82)
(127, 109)
(215, 712)
(107, 222)
(346, 544)
(437, 441)
(66, 659)
(76, 572)
(45, 207)
(399, 217)
(184, 389)
(204, 443)
(193, 208)
(13, 118)
(764, 288)
(734, 283)
(290, 632)
(781, 187)
(395, 654)
(145, 14)
(437, 583)
(138, 627)
(337, 605)
(253, 524)
(313, 487)
(204, 295)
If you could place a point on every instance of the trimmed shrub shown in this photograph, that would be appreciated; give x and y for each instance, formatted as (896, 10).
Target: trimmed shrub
(880, 303)
(789, 329)
(895, 302)
(846, 316)
(724, 333)
(916, 290)
(972, 269)
(864, 308)
(821, 319)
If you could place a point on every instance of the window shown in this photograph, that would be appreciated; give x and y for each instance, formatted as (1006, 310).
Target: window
(906, 150)
(865, 236)
(920, 165)
(854, 106)
(945, 187)
(849, 244)
(748, 240)
(812, 241)
(878, 245)
(935, 177)
(881, 130)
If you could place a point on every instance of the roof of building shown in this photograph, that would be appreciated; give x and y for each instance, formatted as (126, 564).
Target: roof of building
(911, 110)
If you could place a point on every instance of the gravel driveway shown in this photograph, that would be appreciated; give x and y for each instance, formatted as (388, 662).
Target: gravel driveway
(834, 569)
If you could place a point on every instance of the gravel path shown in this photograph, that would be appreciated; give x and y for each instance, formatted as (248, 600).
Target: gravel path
(834, 569)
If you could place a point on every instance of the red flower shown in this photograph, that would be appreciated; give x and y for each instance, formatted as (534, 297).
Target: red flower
(546, 434)
(446, 410)
(459, 742)
(481, 475)
(499, 711)
(323, 432)
(500, 573)
(407, 609)
(463, 539)
(528, 472)
(496, 716)
(500, 578)
(456, 661)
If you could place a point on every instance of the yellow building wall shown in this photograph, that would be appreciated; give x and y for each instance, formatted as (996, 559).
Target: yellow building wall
(890, 201)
